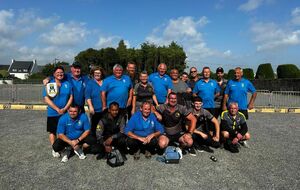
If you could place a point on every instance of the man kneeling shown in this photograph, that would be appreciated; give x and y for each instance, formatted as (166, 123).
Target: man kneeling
(234, 128)
(73, 132)
(142, 130)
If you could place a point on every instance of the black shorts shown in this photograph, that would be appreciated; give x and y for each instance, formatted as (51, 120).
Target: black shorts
(175, 137)
(52, 124)
(245, 112)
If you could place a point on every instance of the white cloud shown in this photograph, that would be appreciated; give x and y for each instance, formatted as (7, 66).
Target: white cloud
(296, 16)
(68, 34)
(269, 36)
(110, 41)
(186, 32)
(250, 5)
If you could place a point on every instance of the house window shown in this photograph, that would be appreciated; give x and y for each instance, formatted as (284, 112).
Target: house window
(14, 70)
(25, 70)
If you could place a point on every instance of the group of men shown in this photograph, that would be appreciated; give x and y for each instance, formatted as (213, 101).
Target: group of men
(185, 113)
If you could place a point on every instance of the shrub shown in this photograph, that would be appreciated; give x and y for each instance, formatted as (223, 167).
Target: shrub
(265, 71)
(248, 73)
(288, 71)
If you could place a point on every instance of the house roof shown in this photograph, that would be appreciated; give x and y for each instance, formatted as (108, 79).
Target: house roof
(21, 67)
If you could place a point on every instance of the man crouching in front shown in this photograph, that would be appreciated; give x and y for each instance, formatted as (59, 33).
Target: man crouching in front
(73, 131)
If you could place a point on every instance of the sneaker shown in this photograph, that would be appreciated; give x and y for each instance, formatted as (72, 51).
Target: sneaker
(148, 154)
(192, 151)
(55, 154)
(205, 148)
(80, 154)
(233, 148)
(244, 144)
(136, 156)
(66, 153)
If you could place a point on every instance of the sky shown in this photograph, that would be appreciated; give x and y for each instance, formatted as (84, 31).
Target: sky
(227, 33)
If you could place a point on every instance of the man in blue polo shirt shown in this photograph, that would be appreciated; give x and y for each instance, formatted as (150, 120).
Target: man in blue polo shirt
(73, 131)
(78, 81)
(161, 83)
(207, 89)
(236, 91)
(117, 88)
(143, 129)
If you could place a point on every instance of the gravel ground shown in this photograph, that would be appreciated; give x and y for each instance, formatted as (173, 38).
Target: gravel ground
(271, 162)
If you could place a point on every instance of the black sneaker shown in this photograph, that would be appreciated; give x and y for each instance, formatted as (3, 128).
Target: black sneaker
(233, 148)
(192, 151)
(205, 148)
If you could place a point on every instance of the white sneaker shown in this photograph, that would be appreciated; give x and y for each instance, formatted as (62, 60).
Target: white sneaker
(55, 154)
(80, 154)
(244, 144)
(66, 153)
(64, 159)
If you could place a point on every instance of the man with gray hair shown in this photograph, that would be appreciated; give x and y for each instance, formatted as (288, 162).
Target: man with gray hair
(237, 90)
(117, 88)
(234, 128)
(161, 83)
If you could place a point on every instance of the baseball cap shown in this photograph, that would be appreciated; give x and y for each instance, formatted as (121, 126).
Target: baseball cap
(76, 65)
(220, 69)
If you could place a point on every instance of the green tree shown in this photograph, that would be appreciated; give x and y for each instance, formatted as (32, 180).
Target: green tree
(122, 53)
(288, 71)
(110, 58)
(88, 58)
(265, 71)
(49, 68)
(230, 74)
(248, 73)
(4, 73)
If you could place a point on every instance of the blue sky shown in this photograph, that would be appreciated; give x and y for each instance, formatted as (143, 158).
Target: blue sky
(226, 33)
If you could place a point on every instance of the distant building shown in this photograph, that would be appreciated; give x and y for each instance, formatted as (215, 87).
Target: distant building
(22, 69)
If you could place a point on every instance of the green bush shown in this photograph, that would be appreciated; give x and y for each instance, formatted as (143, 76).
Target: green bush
(230, 74)
(248, 73)
(265, 71)
(288, 71)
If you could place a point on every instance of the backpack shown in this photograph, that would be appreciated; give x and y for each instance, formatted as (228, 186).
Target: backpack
(115, 158)
(172, 155)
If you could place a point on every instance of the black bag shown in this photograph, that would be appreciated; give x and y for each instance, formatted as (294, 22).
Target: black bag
(115, 158)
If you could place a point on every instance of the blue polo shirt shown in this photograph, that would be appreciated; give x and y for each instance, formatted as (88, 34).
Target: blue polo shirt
(78, 88)
(237, 92)
(141, 127)
(73, 128)
(61, 99)
(161, 85)
(207, 91)
(117, 90)
(93, 92)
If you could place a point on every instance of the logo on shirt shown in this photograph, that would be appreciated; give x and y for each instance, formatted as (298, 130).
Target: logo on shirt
(177, 114)
(165, 79)
(124, 80)
(79, 123)
(66, 86)
(243, 85)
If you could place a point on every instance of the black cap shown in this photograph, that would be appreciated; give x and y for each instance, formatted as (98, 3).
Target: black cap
(220, 69)
(76, 65)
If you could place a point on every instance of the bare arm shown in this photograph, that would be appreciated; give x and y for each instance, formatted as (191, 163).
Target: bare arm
(155, 100)
(134, 136)
(91, 107)
(217, 128)
(103, 98)
(225, 98)
(133, 104)
(251, 102)
(130, 97)
(193, 120)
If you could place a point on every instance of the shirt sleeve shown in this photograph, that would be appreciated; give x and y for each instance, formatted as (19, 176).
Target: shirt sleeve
(158, 126)
(86, 122)
(170, 83)
(130, 125)
(208, 115)
(218, 89)
(88, 91)
(251, 88)
(44, 92)
(135, 92)
(226, 91)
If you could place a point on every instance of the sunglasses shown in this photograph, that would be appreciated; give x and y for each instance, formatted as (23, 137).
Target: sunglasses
(193, 71)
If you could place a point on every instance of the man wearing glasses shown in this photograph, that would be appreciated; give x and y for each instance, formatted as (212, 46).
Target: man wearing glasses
(193, 77)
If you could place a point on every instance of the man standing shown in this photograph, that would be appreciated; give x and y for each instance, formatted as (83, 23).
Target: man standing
(236, 91)
(193, 77)
(131, 72)
(234, 128)
(73, 131)
(117, 88)
(222, 84)
(172, 117)
(161, 83)
(207, 89)
(143, 129)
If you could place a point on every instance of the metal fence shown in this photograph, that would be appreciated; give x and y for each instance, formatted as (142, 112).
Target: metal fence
(32, 94)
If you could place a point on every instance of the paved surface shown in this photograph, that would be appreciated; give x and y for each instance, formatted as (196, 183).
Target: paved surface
(272, 161)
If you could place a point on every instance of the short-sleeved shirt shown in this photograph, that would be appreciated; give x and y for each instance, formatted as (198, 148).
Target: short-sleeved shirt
(161, 85)
(180, 87)
(61, 99)
(237, 92)
(141, 127)
(79, 86)
(142, 93)
(173, 121)
(202, 117)
(117, 90)
(234, 123)
(73, 128)
(207, 91)
(93, 92)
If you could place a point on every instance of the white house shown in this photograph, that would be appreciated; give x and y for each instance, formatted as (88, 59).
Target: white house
(22, 69)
